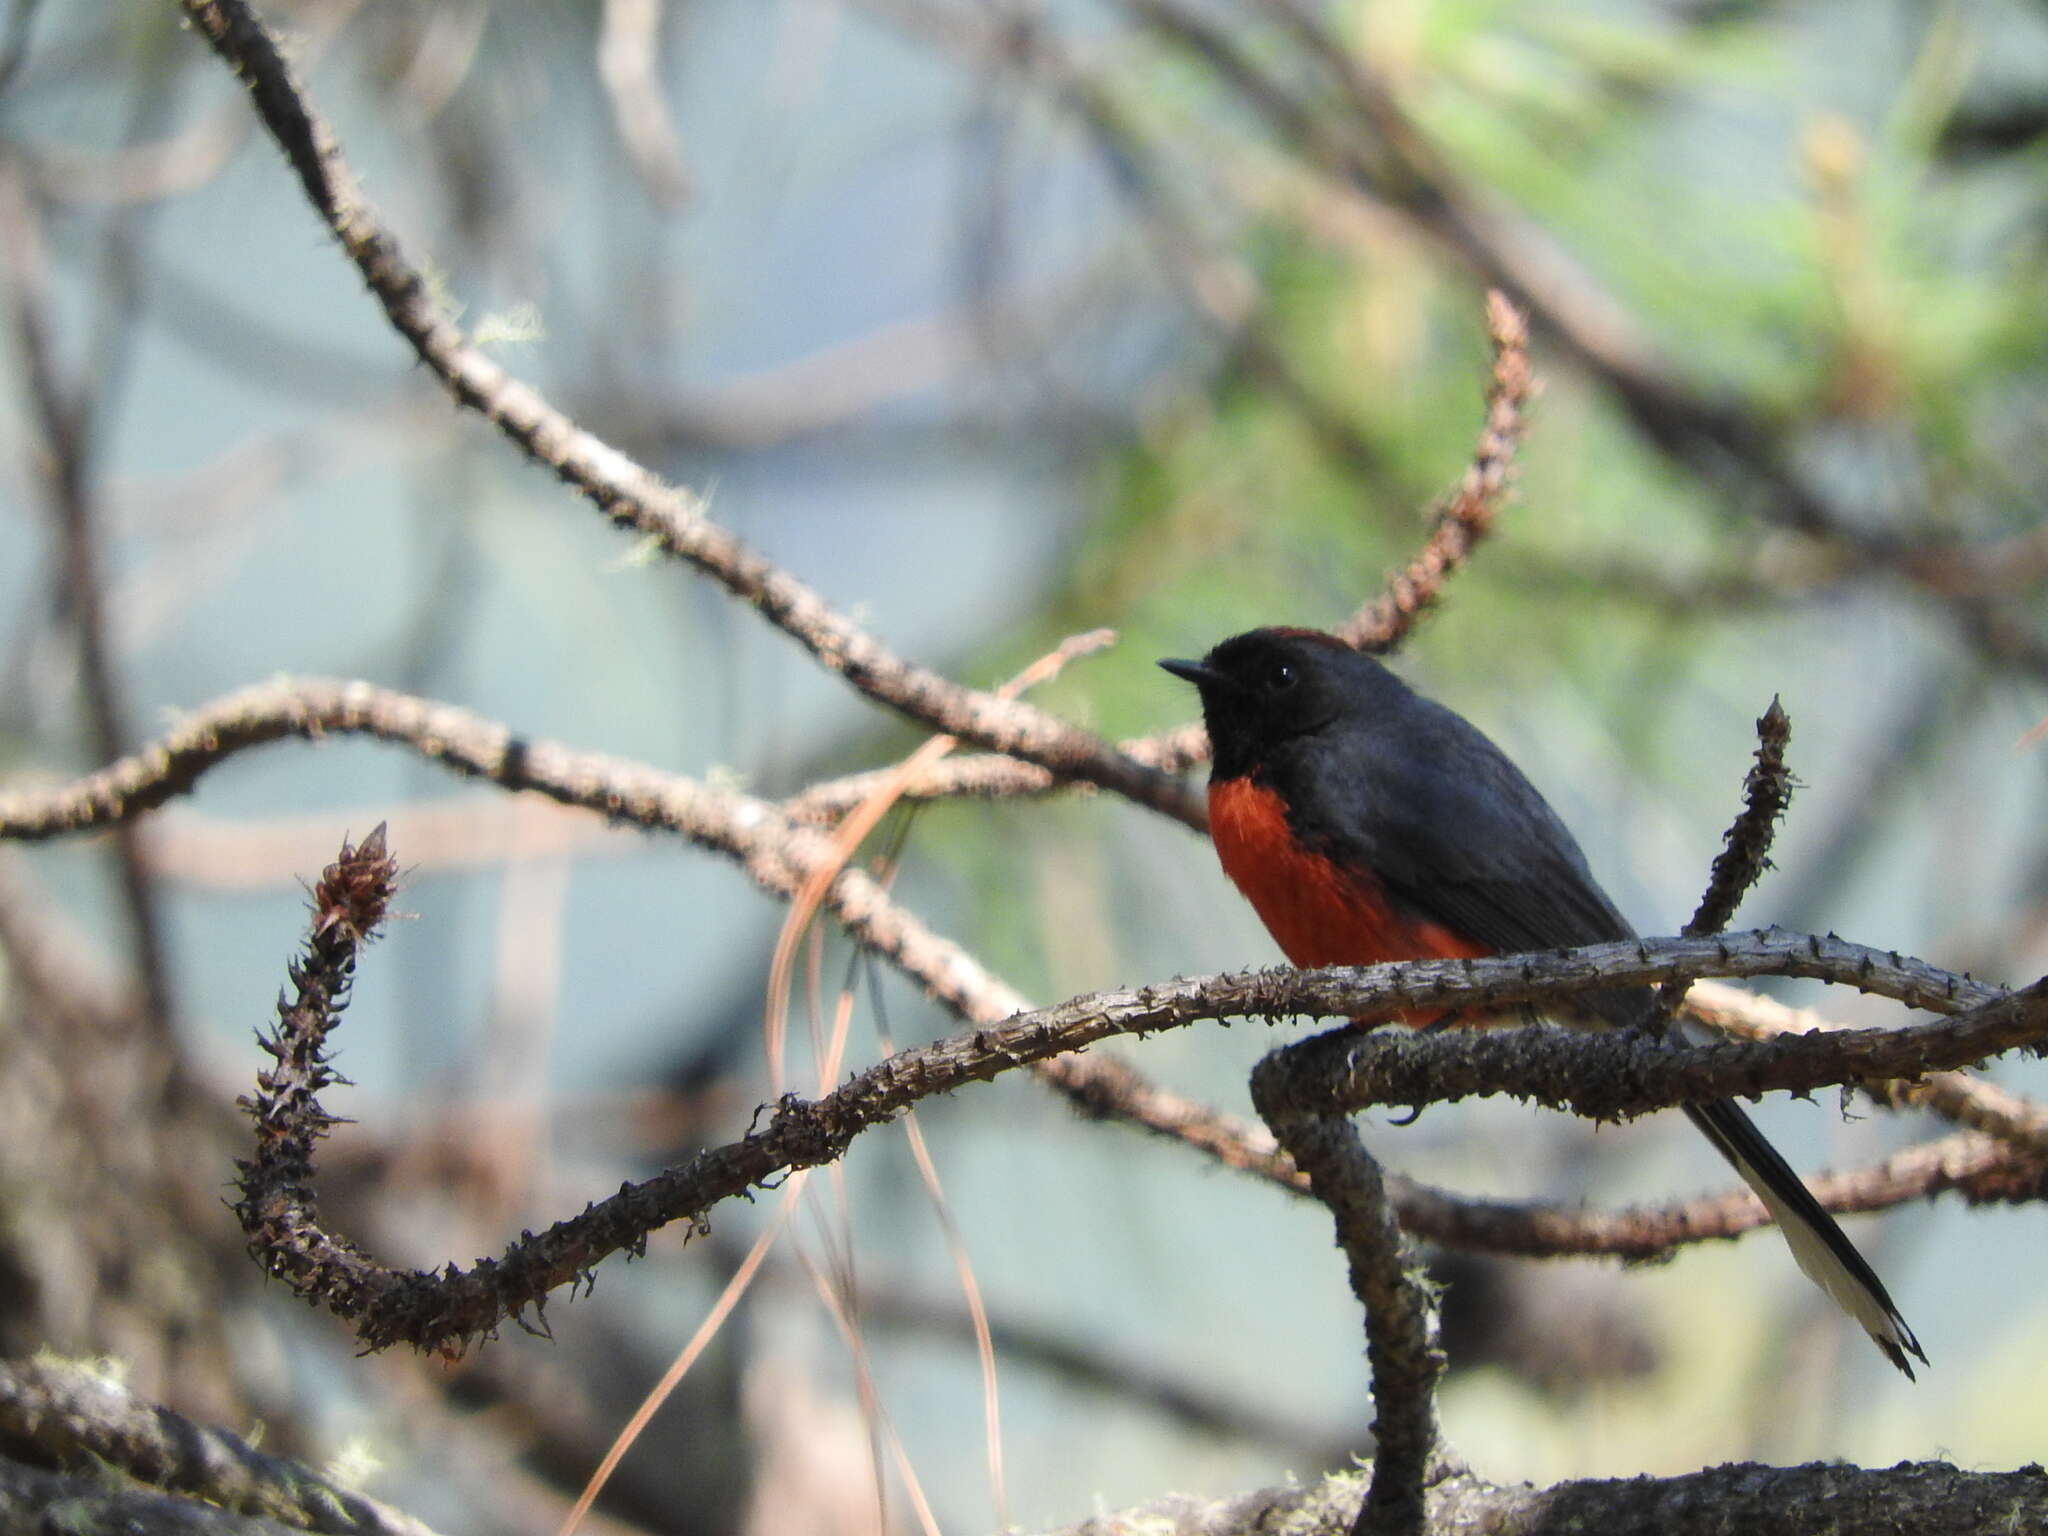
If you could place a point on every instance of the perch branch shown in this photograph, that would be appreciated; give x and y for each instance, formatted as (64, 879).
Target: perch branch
(449, 1308)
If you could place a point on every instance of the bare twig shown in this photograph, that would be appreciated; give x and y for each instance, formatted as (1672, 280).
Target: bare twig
(1467, 517)
(1745, 854)
(1746, 845)
(277, 1204)
(64, 416)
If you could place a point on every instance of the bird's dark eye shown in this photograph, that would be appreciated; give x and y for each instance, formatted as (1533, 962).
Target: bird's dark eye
(1280, 677)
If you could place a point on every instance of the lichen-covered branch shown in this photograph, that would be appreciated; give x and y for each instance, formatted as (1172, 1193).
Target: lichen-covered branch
(1926, 1498)
(58, 1418)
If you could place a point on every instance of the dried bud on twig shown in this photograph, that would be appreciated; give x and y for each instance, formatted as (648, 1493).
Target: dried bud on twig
(355, 891)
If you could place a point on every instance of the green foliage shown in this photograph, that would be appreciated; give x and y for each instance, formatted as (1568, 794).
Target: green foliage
(1790, 242)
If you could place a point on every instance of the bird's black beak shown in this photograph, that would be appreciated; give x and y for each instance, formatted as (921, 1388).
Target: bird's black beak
(1193, 672)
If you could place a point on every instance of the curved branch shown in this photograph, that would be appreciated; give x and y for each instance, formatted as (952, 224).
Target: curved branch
(628, 493)
(778, 854)
(450, 1307)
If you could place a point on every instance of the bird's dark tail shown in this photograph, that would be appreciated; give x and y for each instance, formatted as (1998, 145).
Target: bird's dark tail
(1824, 1252)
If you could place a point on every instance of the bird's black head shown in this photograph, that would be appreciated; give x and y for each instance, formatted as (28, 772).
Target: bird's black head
(1265, 688)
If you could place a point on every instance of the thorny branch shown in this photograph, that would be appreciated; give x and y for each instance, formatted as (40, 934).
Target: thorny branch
(277, 1205)
(778, 853)
(1746, 846)
(448, 1309)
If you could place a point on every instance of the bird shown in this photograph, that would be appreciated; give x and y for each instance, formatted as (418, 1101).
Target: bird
(1367, 823)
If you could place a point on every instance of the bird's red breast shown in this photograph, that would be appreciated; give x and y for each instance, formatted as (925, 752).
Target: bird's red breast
(1318, 911)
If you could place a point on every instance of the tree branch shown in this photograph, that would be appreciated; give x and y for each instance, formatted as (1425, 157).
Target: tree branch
(1403, 1347)
(1466, 517)
(1746, 846)
(1926, 1498)
(1322, 1077)
(64, 1416)
(779, 854)
(64, 417)
(628, 493)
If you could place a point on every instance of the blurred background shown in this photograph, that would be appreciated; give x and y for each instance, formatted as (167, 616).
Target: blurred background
(997, 322)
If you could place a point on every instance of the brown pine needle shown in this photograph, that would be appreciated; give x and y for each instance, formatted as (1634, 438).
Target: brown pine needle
(871, 1402)
(852, 832)
(977, 1312)
(707, 1330)
(723, 1307)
